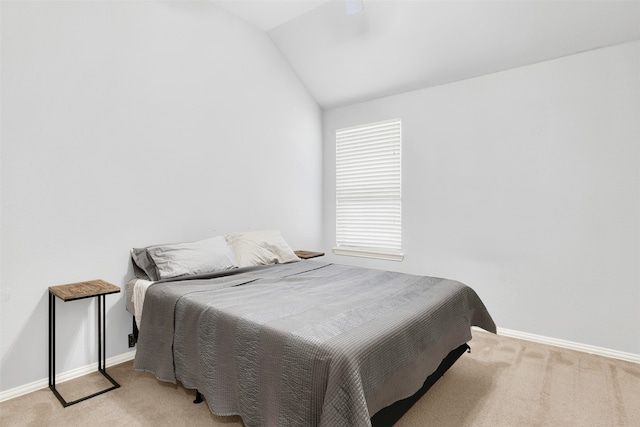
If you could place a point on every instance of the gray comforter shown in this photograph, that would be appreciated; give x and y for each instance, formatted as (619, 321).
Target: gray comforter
(307, 343)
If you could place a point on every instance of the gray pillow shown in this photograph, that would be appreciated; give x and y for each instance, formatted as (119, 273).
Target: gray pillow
(143, 265)
(191, 258)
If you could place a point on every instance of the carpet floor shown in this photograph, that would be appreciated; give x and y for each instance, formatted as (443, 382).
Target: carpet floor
(502, 382)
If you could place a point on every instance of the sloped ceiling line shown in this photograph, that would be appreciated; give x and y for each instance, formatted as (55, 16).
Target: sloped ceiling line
(400, 45)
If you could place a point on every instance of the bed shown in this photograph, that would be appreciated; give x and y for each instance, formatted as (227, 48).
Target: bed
(305, 342)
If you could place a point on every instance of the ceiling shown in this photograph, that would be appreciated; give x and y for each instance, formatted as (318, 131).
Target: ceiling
(268, 14)
(400, 45)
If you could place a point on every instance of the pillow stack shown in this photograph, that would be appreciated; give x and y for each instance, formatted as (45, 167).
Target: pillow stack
(211, 255)
(181, 259)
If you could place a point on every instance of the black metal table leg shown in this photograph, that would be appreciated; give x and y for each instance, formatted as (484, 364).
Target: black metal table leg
(102, 343)
(100, 332)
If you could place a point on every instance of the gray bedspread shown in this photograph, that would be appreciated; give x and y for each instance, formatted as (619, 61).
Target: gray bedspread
(307, 343)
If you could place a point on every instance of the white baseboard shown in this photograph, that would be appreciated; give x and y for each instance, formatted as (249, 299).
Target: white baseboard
(65, 376)
(600, 351)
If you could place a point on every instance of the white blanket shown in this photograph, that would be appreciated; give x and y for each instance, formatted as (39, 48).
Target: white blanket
(140, 287)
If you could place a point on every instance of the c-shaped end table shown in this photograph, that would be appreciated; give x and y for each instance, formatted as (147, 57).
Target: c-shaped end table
(72, 292)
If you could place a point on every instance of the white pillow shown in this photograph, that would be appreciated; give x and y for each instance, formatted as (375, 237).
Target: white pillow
(203, 256)
(260, 247)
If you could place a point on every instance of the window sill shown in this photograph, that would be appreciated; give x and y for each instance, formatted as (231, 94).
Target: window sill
(370, 253)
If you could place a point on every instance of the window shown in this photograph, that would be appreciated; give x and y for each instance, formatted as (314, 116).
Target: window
(368, 191)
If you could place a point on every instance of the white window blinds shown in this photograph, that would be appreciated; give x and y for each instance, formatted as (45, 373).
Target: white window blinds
(368, 190)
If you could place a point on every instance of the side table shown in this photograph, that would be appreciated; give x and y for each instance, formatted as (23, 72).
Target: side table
(72, 292)
(308, 254)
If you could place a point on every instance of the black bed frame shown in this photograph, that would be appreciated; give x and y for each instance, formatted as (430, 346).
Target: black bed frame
(391, 414)
(387, 417)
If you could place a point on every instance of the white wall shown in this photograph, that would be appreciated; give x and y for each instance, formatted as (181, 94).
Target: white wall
(132, 123)
(524, 184)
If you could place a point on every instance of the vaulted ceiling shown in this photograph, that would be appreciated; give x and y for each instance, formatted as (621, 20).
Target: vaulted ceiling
(400, 45)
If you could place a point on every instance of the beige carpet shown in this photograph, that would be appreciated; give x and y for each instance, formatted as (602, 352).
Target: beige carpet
(502, 382)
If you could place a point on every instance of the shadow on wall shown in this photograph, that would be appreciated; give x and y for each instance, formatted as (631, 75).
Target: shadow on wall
(21, 366)
(26, 359)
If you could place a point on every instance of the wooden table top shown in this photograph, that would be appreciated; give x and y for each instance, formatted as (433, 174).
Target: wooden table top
(308, 254)
(79, 290)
